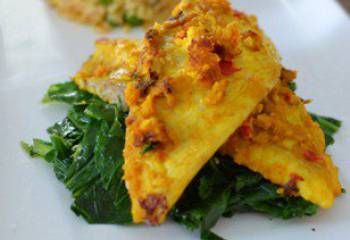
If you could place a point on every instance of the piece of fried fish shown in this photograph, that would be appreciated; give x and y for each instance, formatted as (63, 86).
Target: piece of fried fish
(200, 75)
(279, 140)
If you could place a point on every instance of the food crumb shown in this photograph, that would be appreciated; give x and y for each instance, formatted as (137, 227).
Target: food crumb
(313, 229)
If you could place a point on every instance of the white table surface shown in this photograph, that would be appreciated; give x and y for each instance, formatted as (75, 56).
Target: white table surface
(38, 48)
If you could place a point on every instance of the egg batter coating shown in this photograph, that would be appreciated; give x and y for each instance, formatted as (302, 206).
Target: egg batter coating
(279, 141)
(200, 75)
(109, 68)
(282, 142)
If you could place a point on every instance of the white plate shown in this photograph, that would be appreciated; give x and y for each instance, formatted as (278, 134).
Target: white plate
(37, 48)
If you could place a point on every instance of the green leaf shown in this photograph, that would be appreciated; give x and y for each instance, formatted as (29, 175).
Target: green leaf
(101, 111)
(216, 207)
(66, 129)
(61, 167)
(109, 152)
(61, 146)
(98, 205)
(28, 149)
(66, 92)
(40, 148)
(84, 151)
(208, 235)
(247, 180)
(330, 127)
(205, 188)
(77, 116)
(82, 179)
(247, 192)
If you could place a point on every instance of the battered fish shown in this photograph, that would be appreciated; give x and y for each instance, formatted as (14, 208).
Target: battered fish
(201, 74)
(280, 140)
(283, 152)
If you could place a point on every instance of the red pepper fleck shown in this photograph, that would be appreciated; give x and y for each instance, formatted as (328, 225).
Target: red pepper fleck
(291, 186)
(237, 13)
(288, 97)
(295, 177)
(246, 130)
(227, 68)
(312, 156)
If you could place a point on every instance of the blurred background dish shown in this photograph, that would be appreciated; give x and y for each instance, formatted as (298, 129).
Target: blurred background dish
(108, 14)
(345, 4)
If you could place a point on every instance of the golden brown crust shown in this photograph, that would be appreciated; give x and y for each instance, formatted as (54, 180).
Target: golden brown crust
(279, 140)
(282, 142)
(108, 70)
(196, 82)
(267, 131)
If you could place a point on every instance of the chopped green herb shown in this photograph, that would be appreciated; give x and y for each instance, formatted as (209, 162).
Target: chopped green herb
(132, 20)
(292, 86)
(148, 147)
(106, 2)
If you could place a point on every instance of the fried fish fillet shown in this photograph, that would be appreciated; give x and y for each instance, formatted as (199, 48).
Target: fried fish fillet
(109, 69)
(200, 75)
(282, 142)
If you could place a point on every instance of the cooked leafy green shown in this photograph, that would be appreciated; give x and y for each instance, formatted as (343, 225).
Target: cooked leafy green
(39, 148)
(209, 235)
(85, 150)
(67, 93)
(330, 126)
(233, 189)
